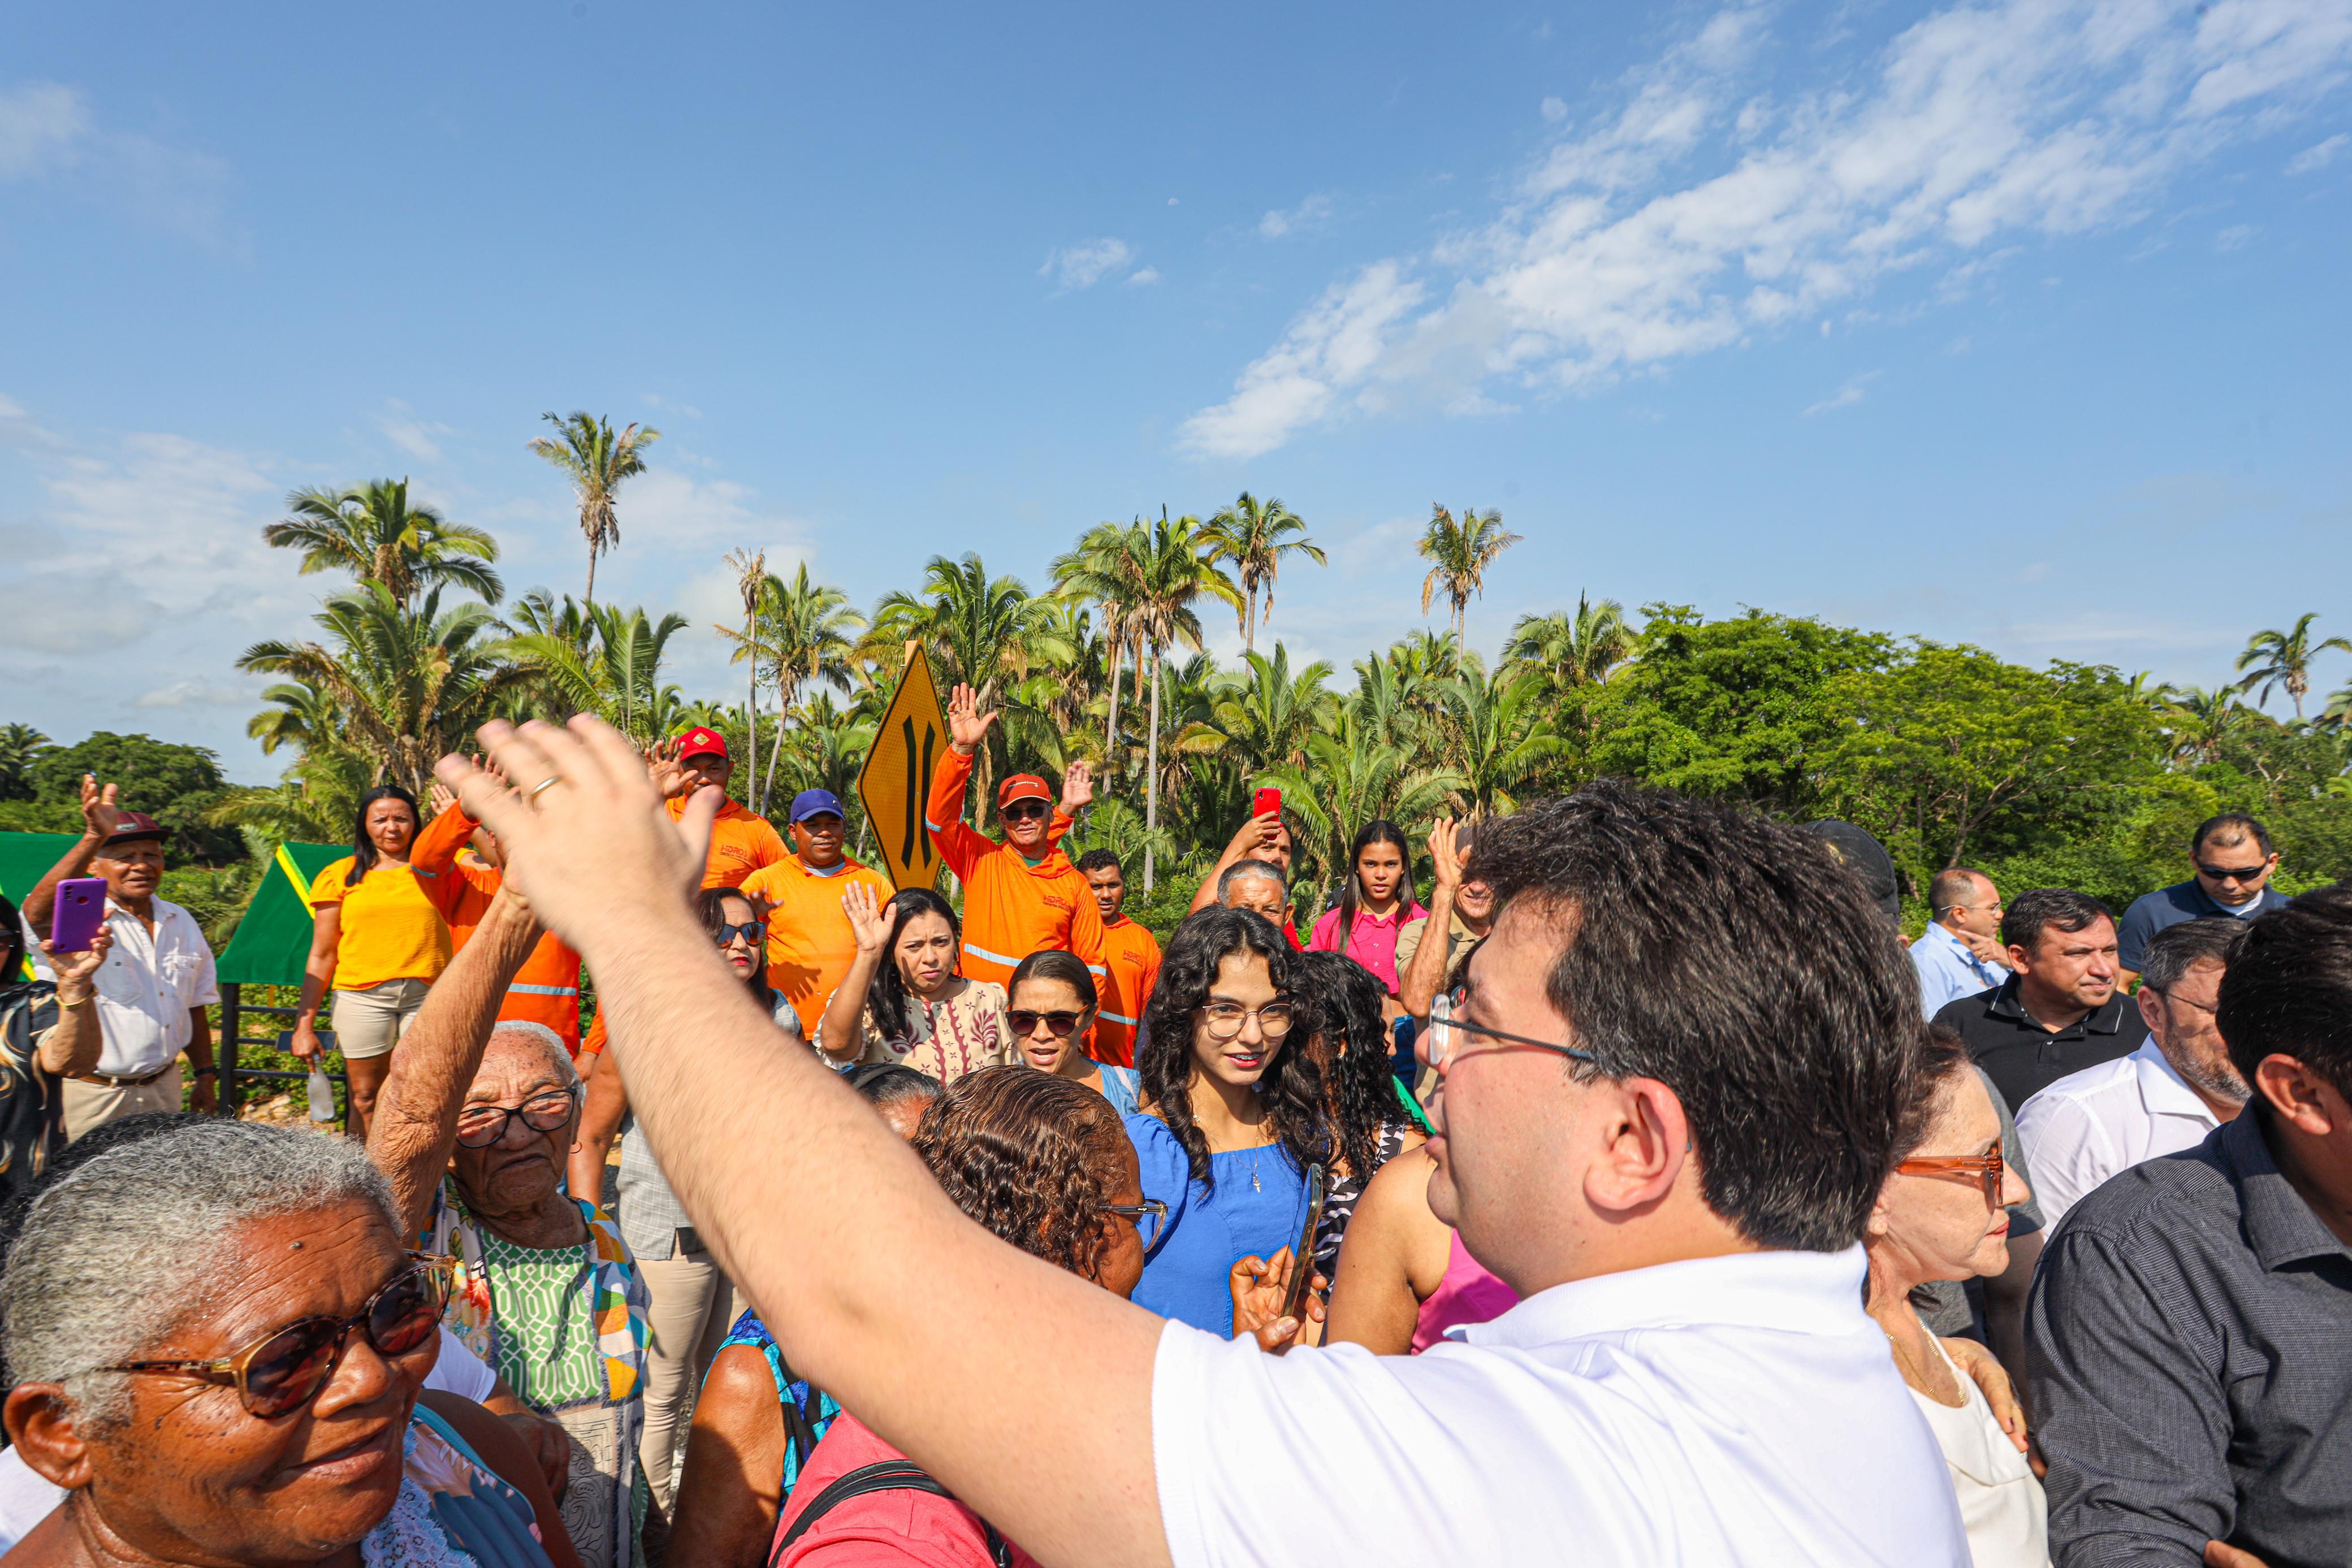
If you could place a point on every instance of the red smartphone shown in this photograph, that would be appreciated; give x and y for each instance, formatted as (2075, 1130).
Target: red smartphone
(79, 911)
(1268, 803)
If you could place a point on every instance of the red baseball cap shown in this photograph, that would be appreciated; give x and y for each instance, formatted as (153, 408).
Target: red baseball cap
(697, 743)
(133, 827)
(1022, 787)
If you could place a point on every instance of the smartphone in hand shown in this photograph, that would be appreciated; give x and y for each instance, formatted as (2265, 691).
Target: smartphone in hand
(79, 911)
(1267, 804)
(1302, 1257)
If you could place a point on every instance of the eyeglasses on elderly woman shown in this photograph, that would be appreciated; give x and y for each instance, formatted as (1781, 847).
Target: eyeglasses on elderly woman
(283, 1370)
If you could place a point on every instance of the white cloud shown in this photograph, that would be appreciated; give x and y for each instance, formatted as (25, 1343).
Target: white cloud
(1847, 395)
(2234, 237)
(1675, 222)
(2318, 155)
(40, 122)
(48, 130)
(1087, 264)
(1377, 548)
(411, 435)
(201, 693)
(1554, 109)
(1142, 276)
(1311, 213)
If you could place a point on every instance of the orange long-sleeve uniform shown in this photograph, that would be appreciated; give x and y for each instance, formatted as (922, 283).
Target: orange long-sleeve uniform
(1131, 969)
(740, 843)
(546, 989)
(1011, 908)
(810, 942)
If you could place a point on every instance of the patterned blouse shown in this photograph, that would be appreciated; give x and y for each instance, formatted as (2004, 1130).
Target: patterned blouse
(1339, 1203)
(945, 1039)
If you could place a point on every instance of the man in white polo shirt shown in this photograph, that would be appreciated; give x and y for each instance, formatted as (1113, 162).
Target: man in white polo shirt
(1676, 1184)
(2166, 1096)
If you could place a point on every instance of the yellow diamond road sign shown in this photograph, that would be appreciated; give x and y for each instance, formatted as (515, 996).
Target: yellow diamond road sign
(898, 776)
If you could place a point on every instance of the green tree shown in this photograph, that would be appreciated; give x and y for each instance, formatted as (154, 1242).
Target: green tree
(374, 533)
(1460, 553)
(1493, 734)
(598, 460)
(796, 634)
(1262, 714)
(2274, 659)
(1106, 569)
(177, 785)
(1178, 569)
(21, 746)
(1571, 651)
(1349, 780)
(599, 659)
(1253, 536)
(2197, 724)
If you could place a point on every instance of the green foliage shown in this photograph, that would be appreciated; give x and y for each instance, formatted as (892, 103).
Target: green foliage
(21, 746)
(176, 785)
(373, 533)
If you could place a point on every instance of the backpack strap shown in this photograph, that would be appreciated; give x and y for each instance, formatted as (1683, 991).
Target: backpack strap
(891, 1475)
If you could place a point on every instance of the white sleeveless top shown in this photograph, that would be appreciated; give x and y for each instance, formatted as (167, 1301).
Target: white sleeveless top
(2001, 1504)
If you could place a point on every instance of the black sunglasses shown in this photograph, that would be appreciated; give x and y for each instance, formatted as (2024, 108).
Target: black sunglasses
(284, 1371)
(1022, 810)
(479, 1126)
(751, 931)
(2233, 873)
(1024, 1022)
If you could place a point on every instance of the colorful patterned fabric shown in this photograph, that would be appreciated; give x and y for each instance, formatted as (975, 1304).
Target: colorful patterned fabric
(453, 1510)
(816, 1406)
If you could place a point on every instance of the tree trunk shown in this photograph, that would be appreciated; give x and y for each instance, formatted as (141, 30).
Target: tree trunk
(590, 597)
(776, 749)
(1151, 770)
(1249, 626)
(1110, 723)
(751, 715)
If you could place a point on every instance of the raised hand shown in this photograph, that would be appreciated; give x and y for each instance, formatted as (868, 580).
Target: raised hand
(1257, 1286)
(966, 726)
(668, 774)
(1077, 789)
(869, 921)
(439, 798)
(1444, 856)
(100, 813)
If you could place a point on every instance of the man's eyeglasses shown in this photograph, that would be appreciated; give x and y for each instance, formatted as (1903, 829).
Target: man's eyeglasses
(1025, 811)
(479, 1126)
(1024, 1022)
(751, 931)
(1986, 1169)
(1148, 1217)
(1447, 1034)
(284, 1371)
(1224, 1021)
(2233, 873)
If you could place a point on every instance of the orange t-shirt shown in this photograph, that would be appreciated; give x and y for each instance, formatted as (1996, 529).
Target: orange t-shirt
(740, 843)
(810, 943)
(1131, 969)
(391, 930)
(1011, 908)
(546, 989)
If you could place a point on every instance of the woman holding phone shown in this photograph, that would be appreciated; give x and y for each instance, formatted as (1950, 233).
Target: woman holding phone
(1233, 1112)
(377, 942)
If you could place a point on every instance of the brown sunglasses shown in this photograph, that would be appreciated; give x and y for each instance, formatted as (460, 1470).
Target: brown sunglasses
(1987, 1168)
(285, 1370)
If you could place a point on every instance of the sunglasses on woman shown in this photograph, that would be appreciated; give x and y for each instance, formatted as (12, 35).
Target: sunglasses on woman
(1024, 1022)
(1985, 1170)
(751, 931)
(284, 1371)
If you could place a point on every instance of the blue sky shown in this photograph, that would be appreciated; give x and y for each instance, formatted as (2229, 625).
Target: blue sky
(2018, 324)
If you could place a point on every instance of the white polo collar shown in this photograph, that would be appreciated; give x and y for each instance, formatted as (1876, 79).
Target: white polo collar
(1795, 1292)
(2162, 1091)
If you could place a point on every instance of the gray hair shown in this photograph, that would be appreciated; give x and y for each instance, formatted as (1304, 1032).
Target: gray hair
(114, 1255)
(2176, 949)
(1243, 871)
(547, 1039)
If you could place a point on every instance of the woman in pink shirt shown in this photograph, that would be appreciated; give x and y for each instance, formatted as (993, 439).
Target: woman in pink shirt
(1375, 902)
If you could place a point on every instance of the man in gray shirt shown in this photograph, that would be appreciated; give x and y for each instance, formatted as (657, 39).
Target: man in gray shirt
(2190, 1332)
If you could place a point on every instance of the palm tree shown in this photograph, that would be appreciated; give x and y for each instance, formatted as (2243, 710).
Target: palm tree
(596, 459)
(751, 570)
(1105, 567)
(2198, 723)
(1461, 553)
(1582, 649)
(2275, 659)
(804, 632)
(1347, 779)
(21, 746)
(600, 659)
(1263, 715)
(407, 686)
(1177, 569)
(1494, 735)
(372, 532)
(1249, 533)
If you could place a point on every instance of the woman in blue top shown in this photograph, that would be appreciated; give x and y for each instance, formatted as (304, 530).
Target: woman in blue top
(1050, 1007)
(1233, 1112)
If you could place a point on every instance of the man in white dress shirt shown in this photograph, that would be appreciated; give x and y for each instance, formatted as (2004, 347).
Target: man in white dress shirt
(1673, 1173)
(1960, 953)
(2166, 1096)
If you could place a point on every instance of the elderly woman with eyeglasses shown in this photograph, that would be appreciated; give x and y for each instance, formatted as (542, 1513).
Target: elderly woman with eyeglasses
(473, 1131)
(249, 1394)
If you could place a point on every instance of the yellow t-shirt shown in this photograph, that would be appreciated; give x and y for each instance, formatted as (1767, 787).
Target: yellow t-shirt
(391, 930)
(810, 943)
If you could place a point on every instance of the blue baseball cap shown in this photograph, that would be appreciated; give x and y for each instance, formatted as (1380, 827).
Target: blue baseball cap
(815, 803)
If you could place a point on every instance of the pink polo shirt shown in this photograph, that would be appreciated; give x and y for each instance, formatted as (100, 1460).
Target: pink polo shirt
(1373, 942)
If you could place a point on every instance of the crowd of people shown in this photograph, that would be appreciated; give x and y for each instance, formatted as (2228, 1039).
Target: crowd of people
(1631, 1195)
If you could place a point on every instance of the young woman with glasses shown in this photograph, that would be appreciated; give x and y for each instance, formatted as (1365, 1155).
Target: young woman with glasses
(905, 999)
(1233, 1112)
(1053, 1004)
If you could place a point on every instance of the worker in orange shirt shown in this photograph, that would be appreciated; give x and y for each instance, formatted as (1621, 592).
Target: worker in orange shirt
(810, 941)
(456, 863)
(1130, 962)
(1022, 896)
(741, 841)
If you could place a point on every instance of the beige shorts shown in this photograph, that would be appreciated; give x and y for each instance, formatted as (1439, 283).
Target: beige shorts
(370, 1022)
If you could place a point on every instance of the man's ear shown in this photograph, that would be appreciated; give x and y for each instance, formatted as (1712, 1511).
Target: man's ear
(2151, 1009)
(1644, 1143)
(2301, 1097)
(40, 1420)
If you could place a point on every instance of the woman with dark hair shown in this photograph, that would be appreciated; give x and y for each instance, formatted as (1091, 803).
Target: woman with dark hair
(1053, 1004)
(1044, 1165)
(377, 942)
(1362, 1100)
(1375, 902)
(904, 1000)
(1233, 1112)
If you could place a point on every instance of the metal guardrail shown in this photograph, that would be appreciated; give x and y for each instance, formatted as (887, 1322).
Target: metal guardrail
(235, 1012)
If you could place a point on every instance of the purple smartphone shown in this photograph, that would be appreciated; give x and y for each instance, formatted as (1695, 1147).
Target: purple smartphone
(79, 911)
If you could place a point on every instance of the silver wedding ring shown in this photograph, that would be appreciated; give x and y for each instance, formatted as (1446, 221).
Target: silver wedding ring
(544, 785)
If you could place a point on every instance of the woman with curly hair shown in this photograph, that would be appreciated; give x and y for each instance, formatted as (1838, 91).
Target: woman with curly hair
(1232, 1110)
(1370, 1124)
(1040, 1162)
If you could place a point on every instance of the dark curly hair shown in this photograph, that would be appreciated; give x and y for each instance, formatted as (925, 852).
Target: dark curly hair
(1351, 1051)
(887, 995)
(1291, 1089)
(710, 906)
(1032, 1157)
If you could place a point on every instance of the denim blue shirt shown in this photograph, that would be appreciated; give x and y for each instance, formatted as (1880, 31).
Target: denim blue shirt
(1948, 971)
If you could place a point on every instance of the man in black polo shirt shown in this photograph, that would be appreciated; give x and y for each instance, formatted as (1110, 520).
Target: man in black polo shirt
(2060, 1010)
(2189, 1326)
(2230, 860)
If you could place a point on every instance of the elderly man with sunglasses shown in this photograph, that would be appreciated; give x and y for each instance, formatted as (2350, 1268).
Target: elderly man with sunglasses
(2232, 863)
